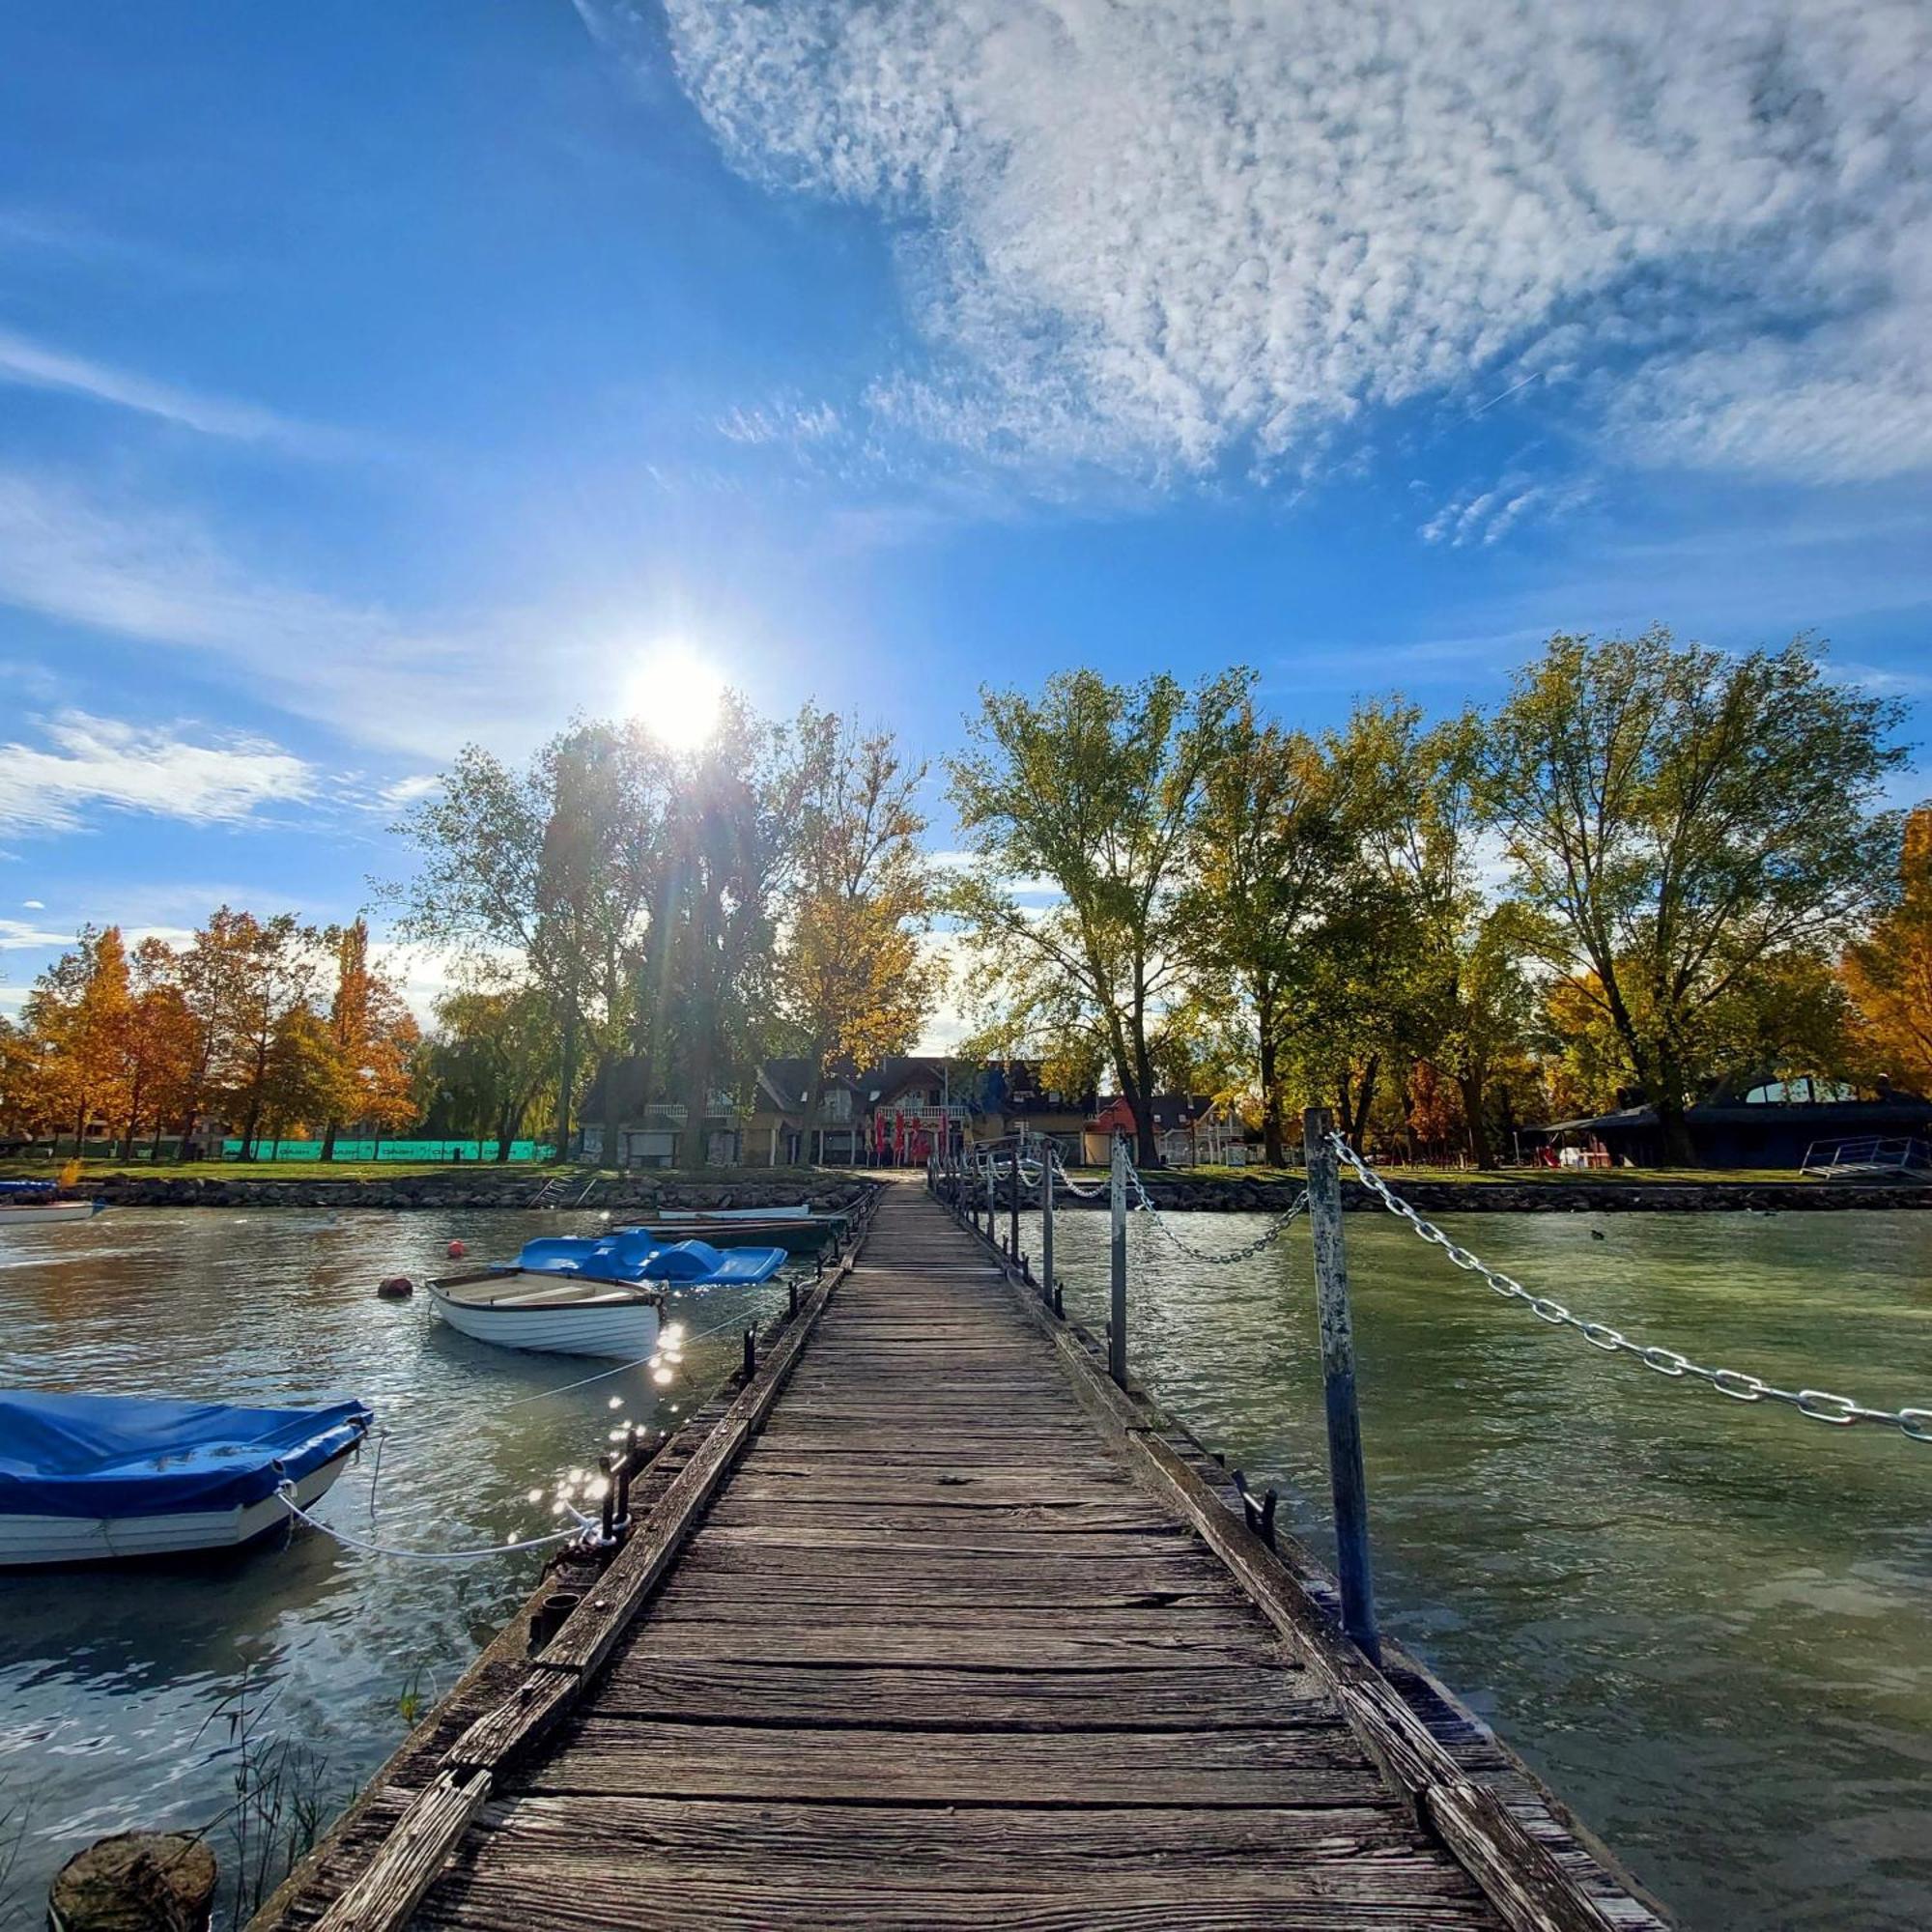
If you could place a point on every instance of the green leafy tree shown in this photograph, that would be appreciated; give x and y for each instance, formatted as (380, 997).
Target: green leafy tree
(1271, 892)
(1091, 790)
(1888, 972)
(1685, 818)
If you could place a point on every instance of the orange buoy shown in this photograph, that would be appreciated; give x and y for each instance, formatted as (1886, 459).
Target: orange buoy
(395, 1288)
(456, 1251)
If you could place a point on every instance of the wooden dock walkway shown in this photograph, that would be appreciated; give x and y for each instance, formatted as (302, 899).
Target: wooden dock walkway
(926, 1629)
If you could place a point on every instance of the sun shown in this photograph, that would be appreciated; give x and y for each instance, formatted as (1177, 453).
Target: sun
(676, 696)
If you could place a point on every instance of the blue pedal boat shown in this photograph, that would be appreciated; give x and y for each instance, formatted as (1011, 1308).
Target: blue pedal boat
(100, 1478)
(595, 1295)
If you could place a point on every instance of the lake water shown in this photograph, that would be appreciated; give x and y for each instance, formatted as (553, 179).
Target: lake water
(117, 1686)
(1708, 1625)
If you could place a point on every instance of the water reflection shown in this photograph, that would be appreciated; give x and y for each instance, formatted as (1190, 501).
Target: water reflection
(1704, 1622)
(109, 1678)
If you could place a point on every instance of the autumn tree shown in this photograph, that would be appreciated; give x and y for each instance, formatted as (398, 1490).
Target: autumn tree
(159, 1055)
(1888, 972)
(1685, 818)
(79, 1011)
(1091, 790)
(274, 970)
(851, 978)
(372, 1041)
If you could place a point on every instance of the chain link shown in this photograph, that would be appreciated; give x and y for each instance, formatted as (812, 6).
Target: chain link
(1820, 1405)
(1144, 1203)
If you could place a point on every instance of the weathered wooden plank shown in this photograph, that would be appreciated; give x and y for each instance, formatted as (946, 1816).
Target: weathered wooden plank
(409, 1857)
(977, 1538)
(1316, 1764)
(915, 1698)
(1070, 1515)
(1010, 1639)
(1085, 1842)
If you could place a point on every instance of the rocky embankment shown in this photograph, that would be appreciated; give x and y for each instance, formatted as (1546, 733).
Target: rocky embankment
(1608, 1196)
(524, 1188)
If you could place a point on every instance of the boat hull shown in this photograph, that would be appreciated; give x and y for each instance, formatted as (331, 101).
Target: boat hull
(47, 1210)
(42, 1542)
(626, 1329)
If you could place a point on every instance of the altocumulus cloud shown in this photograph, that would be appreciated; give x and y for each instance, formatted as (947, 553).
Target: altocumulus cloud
(89, 762)
(1187, 232)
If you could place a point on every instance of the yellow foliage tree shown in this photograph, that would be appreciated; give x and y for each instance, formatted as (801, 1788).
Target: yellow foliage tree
(1888, 975)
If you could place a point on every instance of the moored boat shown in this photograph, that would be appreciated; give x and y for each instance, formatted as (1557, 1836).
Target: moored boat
(796, 1230)
(93, 1479)
(550, 1312)
(26, 1203)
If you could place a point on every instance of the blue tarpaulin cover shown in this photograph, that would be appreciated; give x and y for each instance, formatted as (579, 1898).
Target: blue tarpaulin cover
(631, 1255)
(110, 1455)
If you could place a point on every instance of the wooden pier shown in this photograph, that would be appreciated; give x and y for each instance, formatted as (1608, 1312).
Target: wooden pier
(928, 1625)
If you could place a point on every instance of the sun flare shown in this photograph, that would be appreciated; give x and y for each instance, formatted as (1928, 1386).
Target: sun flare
(675, 695)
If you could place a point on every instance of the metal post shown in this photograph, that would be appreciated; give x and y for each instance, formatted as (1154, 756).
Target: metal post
(1014, 1204)
(1046, 1221)
(1345, 1479)
(1116, 1325)
(993, 1206)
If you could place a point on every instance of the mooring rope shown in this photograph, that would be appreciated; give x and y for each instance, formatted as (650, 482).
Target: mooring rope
(286, 1497)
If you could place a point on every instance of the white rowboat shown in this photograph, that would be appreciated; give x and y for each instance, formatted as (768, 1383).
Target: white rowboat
(551, 1314)
(33, 1214)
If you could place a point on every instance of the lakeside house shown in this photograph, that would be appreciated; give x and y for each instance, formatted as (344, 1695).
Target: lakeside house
(893, 1113)
(1770, 1124)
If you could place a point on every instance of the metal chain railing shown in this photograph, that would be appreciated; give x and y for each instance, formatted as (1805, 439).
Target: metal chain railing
(1820, 1405)
(1272, 1232)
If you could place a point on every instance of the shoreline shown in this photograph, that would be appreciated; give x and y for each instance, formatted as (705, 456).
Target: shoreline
(645, 1192)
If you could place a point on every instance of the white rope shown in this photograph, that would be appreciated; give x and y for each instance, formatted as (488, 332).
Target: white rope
(286, 1497)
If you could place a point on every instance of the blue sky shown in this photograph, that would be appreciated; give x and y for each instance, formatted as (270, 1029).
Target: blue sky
(372, 379)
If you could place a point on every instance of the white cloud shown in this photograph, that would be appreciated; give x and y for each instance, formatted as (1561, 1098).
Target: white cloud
(16, 936)
(138, 572)
(91, 762)
(35, 365)
(33, 905)
(1189, 232)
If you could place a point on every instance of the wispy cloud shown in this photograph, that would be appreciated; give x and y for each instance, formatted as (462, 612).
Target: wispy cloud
(35, 365)
(1195, 231)
(136, 571)
(86, 763)
(1484, 516)
(16, 935)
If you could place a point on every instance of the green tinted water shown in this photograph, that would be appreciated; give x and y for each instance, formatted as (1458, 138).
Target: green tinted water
(1707, 1624)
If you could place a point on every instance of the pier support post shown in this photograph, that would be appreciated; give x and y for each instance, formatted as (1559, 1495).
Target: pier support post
(1014, 1204)
(1347, 1482)
(1116, 1321)
(1046, 1222)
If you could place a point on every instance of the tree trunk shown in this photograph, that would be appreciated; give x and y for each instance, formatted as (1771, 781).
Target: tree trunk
(694, 1148)
(1355, 1124)
(566, 1081)
(1470, 1082)
(612, 1112)
(133, 1123)
(189, 1122)
(1274, 1149)
(1147, 1150)
(1673, 1132)
(329, 1133)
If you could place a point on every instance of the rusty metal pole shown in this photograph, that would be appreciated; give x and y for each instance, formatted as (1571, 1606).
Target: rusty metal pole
(1347, 1482)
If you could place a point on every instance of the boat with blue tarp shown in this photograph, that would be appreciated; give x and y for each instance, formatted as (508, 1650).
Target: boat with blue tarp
(31, 1203)
(106, 1478)
(592, 1296)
